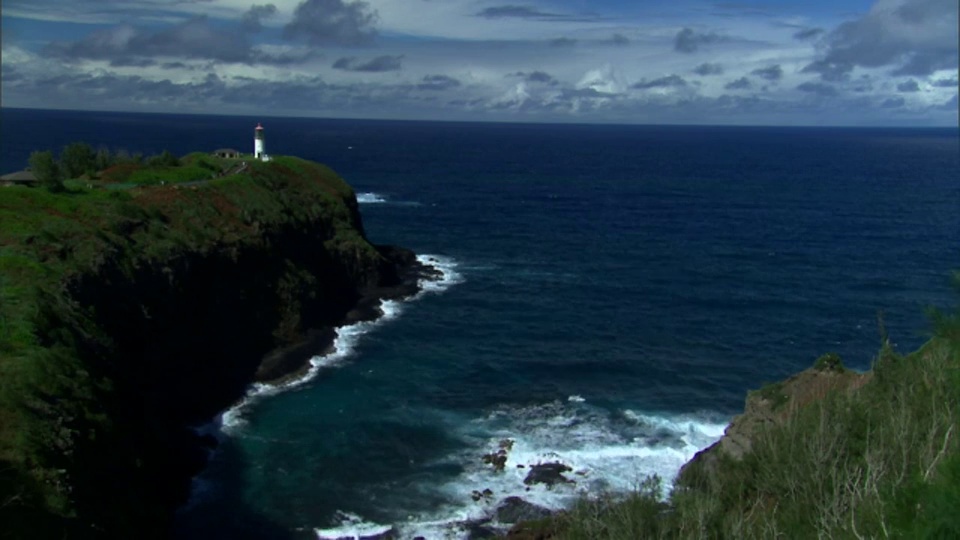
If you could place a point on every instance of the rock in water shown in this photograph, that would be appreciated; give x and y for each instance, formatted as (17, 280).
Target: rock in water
(515, 510)
(547, 473)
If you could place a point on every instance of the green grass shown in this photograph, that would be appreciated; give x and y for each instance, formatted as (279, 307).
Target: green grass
(773, 393)
(49, 397)
(171, 175)
(880, 461)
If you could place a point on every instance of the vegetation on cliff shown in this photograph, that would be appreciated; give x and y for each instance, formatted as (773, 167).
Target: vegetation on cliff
(829, 453)
(129, 311)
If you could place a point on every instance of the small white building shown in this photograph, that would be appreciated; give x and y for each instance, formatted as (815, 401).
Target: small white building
(227, 153)
(260, 144)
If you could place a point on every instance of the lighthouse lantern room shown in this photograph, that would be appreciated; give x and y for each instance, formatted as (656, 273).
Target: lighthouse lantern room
(259, 144)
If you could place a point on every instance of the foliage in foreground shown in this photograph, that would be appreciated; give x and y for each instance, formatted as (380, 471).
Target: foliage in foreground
(882, 461)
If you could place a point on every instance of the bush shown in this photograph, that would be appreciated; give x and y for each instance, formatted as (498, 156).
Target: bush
(77, 159)
(47, 170)
(165, 159)
(829, 362)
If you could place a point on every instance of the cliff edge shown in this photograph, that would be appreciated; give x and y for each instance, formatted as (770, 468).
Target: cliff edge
(825, 453)
(129, 314)
(771, 406)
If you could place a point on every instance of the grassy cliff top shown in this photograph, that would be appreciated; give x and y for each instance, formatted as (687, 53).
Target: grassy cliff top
(827, 453)
(126, 217)
(47, 237)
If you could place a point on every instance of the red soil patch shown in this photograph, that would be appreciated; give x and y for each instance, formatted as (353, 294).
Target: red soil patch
(119, 173)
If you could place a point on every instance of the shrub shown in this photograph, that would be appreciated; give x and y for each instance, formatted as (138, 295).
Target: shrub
(47, 170)
(165, 159)
(77, 159)
(829, 362)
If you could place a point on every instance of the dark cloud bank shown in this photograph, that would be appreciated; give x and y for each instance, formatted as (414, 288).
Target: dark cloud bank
(315, 22)
(379, 64)
(918, 38)
(670, 81)
(689, 41)
(708, 69)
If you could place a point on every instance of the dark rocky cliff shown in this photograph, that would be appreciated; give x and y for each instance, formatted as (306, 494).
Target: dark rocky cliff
(185, 299)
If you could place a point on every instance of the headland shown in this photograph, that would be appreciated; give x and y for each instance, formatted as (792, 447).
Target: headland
(143, 299)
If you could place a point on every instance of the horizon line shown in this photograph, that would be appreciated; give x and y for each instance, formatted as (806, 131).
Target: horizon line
(490, 121)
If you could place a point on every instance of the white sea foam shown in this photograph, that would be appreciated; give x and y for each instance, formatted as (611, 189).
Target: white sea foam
(376, 198)
(352, 527)
(609, 453)
(370, 198)
(344, 344)
(447, 268)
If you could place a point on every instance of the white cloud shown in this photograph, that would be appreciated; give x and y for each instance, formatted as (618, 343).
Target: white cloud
(421, 46)
(604, 80)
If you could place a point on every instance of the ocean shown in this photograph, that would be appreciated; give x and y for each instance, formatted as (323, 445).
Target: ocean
(609, 295)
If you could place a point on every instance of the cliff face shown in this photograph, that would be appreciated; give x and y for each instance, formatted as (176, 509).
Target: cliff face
(773, 405)
(184, 298)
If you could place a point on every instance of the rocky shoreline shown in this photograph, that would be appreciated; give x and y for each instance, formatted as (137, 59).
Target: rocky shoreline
(518, 519)
(292, 362)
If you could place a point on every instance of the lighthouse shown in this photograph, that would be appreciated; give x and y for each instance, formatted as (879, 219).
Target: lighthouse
(259, 144)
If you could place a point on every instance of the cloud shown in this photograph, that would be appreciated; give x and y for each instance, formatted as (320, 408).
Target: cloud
(127, 61)
(438, 82)
(893, 103)
(742, 9)
(829, 70)
(820, 89)
(606, 81)
(196, 38)
(251, 20)
(619, 39)
(379, 64)
(708, 69)
(521, 12)
(513, 11)
(808, 33)
(669, 81)
(688, 41)
(589, 93)
(908, 86)
(914, 37)
(945, 83)
(535, 77)
(193, 38)
(332, 22)
(597, 98)
(563, 42)
(112, 89)
(740, 84)
(770, 73)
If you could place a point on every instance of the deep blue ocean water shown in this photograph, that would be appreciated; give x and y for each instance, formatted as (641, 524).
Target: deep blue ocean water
(612, 292)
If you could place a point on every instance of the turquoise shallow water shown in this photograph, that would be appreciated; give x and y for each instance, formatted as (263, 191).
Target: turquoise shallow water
(612, 294)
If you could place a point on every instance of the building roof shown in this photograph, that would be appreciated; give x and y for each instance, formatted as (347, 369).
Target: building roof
(226, 151)
(19, 176)
(259, 126)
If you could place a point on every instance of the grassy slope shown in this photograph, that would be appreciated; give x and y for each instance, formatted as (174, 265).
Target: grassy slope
(876, 460)
(46, 392)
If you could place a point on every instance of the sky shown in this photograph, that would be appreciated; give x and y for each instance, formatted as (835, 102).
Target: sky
(769, 62)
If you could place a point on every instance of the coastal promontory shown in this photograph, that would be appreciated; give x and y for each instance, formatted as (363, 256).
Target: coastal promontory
(140, 301)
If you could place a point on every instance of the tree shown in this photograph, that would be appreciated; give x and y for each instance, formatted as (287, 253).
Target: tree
(76, 159)
(165, 159)
(103, 159)
(47, 170)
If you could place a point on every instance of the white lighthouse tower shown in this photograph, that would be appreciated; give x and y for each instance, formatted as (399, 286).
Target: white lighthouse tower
(259, 144)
